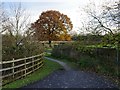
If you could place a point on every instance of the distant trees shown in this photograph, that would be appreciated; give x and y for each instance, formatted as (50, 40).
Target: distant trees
(52, 25)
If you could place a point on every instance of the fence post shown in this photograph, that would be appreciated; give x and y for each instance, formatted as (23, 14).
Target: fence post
(13, 68)
(1, 79)
(25, 66)
(39, 62)
(33, 64)
(117, 52)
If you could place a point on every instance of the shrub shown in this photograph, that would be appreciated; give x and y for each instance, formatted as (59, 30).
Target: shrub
(86, 62)
(99, 59)
(11, 50)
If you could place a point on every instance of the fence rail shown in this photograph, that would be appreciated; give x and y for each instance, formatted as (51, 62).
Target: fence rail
(23, 67)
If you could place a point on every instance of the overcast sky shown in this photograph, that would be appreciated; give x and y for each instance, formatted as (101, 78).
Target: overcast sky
(72, 8)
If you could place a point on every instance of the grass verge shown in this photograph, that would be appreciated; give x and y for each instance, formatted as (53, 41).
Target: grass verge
(48, 68)
(71, 64)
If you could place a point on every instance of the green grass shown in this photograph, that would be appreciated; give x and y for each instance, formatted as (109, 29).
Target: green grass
(64, 59)
(48, 49)
(48, 68)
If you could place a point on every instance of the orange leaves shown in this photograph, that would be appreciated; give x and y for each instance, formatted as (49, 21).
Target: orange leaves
(52, 25)
(67, 37)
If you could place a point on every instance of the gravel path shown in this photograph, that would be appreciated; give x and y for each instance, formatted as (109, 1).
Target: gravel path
(69, 78)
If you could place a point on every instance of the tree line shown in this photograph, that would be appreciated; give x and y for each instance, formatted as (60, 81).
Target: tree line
(54, 26)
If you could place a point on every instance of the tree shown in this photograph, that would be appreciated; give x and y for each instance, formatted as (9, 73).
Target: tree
(105, 21)
(15, 21)
(52, 25)
(111, 12)
(3, 19)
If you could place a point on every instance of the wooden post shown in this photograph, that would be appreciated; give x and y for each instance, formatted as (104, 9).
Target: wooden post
(33, 64)
(38, 62)
(13, 68)
(1, 79)
(117, 58)
(25, 67)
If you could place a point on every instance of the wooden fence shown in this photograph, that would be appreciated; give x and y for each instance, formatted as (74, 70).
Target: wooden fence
(19, 68)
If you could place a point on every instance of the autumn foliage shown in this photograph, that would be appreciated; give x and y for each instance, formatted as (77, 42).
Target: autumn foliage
(52, 26)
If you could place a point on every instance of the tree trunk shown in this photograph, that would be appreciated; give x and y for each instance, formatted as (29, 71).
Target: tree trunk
(50, 43)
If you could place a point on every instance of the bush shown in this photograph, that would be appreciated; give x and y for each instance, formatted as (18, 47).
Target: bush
(98, 59)
(26, 48)
(86, 62)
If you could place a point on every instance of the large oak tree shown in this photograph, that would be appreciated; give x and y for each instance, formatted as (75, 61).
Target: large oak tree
(52, 25)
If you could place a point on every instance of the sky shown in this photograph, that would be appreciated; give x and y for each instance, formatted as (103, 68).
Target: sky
(71, 8)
